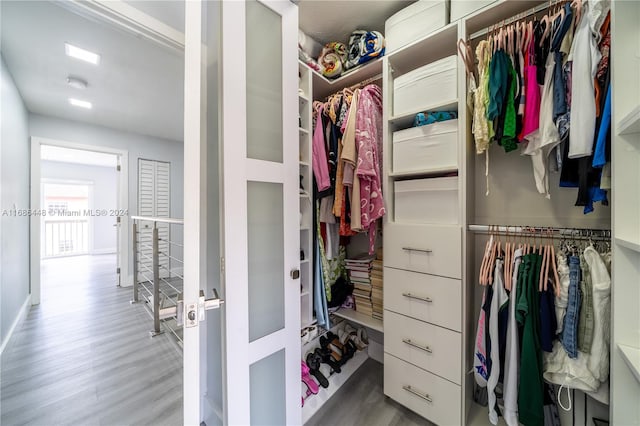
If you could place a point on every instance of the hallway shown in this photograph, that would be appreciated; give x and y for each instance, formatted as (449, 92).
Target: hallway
(84, 355)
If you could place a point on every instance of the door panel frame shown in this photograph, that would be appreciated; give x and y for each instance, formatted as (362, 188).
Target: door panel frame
(246, 169)
(36, 204)
(233, 192)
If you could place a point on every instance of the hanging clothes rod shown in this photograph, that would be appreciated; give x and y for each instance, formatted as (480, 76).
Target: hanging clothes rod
(360, 84)
(542, 230)
(515, 18)
(366, 81)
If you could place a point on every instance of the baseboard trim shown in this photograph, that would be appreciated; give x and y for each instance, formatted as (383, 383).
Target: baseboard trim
(21, 315)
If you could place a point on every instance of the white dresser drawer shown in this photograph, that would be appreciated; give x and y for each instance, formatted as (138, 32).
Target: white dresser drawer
(434, 398)
(429, 298)
(431, 200)
(430, 347)
(424, 248)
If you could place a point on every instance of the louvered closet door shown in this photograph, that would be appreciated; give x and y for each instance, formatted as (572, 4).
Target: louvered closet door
(154, 192)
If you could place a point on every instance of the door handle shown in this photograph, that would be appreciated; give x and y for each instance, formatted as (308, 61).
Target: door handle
(191, 314)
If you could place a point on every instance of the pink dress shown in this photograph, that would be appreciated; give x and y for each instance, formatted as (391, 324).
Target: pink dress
(320, 165)
(531, 120)
(369, 141)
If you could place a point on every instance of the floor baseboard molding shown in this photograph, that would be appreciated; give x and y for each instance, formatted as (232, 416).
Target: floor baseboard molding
(21, 315)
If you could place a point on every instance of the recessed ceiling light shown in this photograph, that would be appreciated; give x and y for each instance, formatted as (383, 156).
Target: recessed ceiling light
(76, 83)
(79, 103)
(83, 55)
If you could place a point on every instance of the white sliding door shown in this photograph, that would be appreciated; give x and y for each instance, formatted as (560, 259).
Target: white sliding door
(241, 101)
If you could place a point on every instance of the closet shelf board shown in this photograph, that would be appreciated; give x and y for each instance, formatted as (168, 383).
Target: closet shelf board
(405, 120)
(424, 173)
(304, 294)
(359, 318)
(305, 228)
(302, 262)
(630, 123)
(313, 403)
(323, 87)
(437, 45)
(628, 244)
(304, 163)
(303, 98)
(303, 131)
(631, 356)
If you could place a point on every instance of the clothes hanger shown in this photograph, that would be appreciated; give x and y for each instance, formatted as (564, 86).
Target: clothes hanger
(548, 261)
(490, 261)
(485, 266)
(512, 252)
(543, 252)
(494, 255)
(518, 35)
(486, 256)
(507, 260)
(557, 22)
(554, 267)
(464, 50)
(546, 20)
(576, 5)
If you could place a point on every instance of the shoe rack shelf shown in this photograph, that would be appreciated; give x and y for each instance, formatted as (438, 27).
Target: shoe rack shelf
(312, 403)
(359, 318)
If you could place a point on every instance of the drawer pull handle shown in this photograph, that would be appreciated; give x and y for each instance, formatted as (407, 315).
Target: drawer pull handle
(424, 396)
(415, 345)
(412, 296)
(417, 249)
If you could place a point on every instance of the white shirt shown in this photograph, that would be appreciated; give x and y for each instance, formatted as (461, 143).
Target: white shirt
(500, 297)
(585, 56)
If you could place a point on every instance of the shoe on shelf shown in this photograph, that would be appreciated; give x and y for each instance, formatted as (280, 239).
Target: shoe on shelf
(327, 358)
(307, 380)
(313, 362)
(357, 337)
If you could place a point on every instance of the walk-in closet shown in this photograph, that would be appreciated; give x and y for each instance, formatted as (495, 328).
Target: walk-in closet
(469, 212)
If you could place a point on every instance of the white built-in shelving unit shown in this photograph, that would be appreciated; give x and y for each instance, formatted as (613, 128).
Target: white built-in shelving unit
(625, 141)
(306, 194)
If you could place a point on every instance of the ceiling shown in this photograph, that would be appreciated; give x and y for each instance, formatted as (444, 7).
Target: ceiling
(333, 20)
(137, 87)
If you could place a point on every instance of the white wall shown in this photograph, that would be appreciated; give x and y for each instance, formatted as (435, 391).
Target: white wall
(138, 146)
(14, 230)
(103, 195)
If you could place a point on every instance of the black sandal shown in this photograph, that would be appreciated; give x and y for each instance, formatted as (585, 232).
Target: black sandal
(325, 356)
(334, 347)
(313, 361)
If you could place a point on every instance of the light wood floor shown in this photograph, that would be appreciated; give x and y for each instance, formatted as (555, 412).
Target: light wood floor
(84, 356)
(361, 402)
